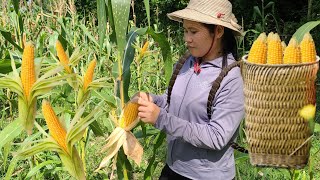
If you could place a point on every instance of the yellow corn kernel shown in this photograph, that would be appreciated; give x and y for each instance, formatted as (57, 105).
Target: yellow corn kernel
(55, 128)
(283, 44)
(274, 54)
(308, 49)
(270, 36)
(292, 54)
(28, 77)
(130, 114)
(64, 59)
(88, 77)
(258, 51)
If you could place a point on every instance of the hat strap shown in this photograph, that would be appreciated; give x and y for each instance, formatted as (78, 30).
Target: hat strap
(200, 59)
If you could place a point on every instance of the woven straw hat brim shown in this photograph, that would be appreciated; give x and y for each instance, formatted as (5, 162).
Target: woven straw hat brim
(193, 15)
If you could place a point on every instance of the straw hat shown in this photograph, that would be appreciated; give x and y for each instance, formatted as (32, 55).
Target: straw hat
(217, 12)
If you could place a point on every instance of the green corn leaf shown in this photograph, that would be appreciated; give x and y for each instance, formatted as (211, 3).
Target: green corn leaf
(120, 10)
(37, 168)
(76, 131)
(11, 168)
(10, 132)
(304, 29)
(166, 52)
(8, 36)
(147, 5)
(96, 129)
(5, 66)
(128, 58)
(102, 21)
(43, 145)
(110, 100)
(87, 33)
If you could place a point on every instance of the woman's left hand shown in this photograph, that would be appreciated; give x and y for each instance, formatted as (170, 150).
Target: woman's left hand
(148, 111)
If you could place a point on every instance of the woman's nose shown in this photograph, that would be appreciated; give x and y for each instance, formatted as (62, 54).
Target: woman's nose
(187, 38)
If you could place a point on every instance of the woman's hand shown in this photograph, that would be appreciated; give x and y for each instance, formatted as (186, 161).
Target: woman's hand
(148, 111)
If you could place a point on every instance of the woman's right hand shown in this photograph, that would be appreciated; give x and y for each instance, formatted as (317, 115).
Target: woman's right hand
(143, 95)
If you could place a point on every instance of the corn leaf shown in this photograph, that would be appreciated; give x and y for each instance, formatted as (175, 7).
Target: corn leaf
(8, 36)
(116, 134)
(166, 52)
(5, 66)
(37, 168)
(112, 151)
(128, 58)
(43, 145)
(110, 100)
(73, 164)
(120, 10)
(102, 21)
(304, 29)
(77, 129)
(147, 6)
(96, 129)
(133, 148)
(11, 168)
(87, 33)
(10, 132)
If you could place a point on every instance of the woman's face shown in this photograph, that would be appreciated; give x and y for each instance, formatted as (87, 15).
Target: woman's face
(197, 37)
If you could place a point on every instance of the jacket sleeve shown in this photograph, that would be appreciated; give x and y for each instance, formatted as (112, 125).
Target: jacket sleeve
(228, 111)
(160, 100)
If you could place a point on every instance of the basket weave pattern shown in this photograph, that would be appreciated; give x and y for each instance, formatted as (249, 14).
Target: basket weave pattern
(274, 94)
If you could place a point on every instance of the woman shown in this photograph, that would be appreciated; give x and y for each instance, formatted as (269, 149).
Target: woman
(200, 114)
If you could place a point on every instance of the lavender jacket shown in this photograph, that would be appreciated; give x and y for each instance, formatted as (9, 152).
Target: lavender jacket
(197, 146)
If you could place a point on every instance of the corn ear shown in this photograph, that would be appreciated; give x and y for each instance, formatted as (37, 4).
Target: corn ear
(292, 54)
(308, 49)
(274, 54)
(28, 77)
(129, 114)
(64, 59)
(55, 128)
(269, 38)
(144, 48)
(258, 51)
(283, 44)
(88, 77)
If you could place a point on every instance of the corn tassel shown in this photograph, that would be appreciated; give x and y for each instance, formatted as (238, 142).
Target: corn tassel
(130, 114)
(28, 77)
(258, 51)
(56, 130)
(88, 77)
(64, 59)
(274, 54)
(308, 49)
(292, 54)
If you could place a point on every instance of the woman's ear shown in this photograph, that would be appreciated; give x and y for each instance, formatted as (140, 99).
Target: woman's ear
(219, 31)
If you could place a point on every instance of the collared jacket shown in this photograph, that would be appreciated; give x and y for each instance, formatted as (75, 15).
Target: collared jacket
(197, 146)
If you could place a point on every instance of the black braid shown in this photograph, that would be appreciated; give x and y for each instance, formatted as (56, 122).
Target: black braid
(214, 89)
(216, 84)
(175, 74)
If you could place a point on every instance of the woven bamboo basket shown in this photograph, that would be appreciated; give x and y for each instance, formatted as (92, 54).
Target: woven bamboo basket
(277, 136)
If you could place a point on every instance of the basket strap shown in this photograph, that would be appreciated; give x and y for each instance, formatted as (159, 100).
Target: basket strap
(214, 89)
(174, 76)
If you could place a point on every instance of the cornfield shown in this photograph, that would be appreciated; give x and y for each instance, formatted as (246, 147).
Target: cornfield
(66, 83)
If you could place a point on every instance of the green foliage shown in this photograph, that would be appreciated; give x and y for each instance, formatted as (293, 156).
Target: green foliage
(88, 32)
